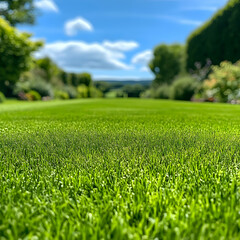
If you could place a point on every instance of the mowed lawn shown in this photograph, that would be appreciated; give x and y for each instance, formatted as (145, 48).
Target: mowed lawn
(119, 169)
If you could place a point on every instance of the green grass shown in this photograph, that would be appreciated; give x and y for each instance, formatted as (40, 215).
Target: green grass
(119, 169)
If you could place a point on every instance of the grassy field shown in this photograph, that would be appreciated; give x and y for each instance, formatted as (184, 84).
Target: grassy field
(119, 169)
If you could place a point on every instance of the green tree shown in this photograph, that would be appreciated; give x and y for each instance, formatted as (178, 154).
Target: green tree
(167, 62)
(74, 79)
(64, 76)
(17, 11)
(15, 55)
(49, 68)
(84, 78)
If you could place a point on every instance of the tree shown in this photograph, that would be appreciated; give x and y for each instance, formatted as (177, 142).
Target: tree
(17, 11)
(218, 39)
(167, 62)
(15, 55)
(49, 68)
(133, 91)
(84, 78)
(74, 79)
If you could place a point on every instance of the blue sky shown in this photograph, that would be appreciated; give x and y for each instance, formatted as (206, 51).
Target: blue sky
(113, 39)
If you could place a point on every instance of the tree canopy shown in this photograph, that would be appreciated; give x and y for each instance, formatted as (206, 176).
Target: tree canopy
(15, 12)
(15, 54)
(167, 62)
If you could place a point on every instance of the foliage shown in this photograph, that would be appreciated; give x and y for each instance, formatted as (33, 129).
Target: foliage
(30, 81)
(119, 169)
(60, 94)
(200, 72)
(42, 87)
(133, 91)
(104, 87)
(218, 39)
(223, 83)
(49, 68)
(2, 97)
(84, 78)
(20, 11)
(167, 62)
(71, 91)
(64, 76)
(94, 92)
(162, 92)
(183, 88)
(147, 93)
(33, 96)
(15, 55)
(82, 91)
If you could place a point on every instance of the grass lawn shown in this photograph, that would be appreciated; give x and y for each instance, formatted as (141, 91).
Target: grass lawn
(119, 169)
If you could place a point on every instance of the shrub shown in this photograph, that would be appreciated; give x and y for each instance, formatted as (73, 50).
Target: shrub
(147, 94)
(60, 94)
(42, 87)
(218, 39)
(95, 93)
(162, 92)
(133, 91)
(33, 96)
(82, 91)
(223, 83)
(71, 91)
(183, 88)
(2, 97)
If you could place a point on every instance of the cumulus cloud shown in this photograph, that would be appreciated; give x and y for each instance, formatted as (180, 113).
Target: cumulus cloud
(72, 27)
(3, 5)
(82, 55)
(143, 58)
(46, 5)
(121, 45)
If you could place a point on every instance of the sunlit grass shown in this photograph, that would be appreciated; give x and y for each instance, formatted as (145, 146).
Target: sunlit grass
(119, 169)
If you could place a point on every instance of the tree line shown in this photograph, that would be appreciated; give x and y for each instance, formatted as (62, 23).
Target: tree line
(182, 72)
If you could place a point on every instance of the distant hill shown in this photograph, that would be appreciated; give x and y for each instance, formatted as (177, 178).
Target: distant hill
(126, 82)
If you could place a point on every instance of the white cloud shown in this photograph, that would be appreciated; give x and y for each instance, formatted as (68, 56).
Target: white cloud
(189, 22)
(72, 27)
(82, 55)
(46, 5)
(183, 21)
(201, 8)
(145, 69)
(3, 5)
(142, 58)
(121, 45)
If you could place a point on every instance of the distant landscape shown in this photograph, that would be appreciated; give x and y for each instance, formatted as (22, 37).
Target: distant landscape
(119, 120)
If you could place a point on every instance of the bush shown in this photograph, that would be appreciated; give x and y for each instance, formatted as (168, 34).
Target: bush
(218, 39)
(42, 87)
(71, 91)
(162, 92)
(133, 91)
(223, 83)
(183, 88)
(147, 94)
(59, 94)
(95, 93)
(33, 96)
(2, 97)
(82, 91)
